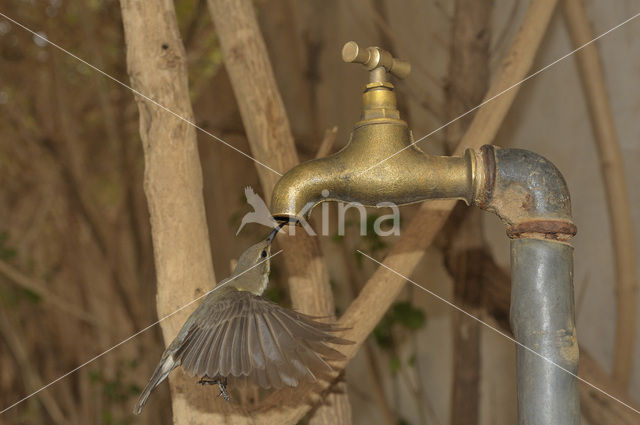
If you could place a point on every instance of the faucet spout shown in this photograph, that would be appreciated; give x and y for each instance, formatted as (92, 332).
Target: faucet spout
(369, 170)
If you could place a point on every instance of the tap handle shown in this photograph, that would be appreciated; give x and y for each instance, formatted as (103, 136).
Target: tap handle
(375, 57)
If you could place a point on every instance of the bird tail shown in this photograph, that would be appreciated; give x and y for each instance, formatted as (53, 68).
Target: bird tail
(160, 374)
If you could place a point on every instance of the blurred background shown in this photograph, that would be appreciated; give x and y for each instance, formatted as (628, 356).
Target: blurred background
(76, 261)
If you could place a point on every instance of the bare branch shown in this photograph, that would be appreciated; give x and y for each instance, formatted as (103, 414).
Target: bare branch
(269, 134)
(31, 379)
(39, 288)
(624, 250)
(327, 142)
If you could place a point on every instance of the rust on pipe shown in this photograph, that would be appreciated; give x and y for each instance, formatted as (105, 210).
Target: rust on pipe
(550, 229)
(525, 190)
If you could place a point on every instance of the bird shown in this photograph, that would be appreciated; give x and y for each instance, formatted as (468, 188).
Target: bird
(260, 213)
(236, 332)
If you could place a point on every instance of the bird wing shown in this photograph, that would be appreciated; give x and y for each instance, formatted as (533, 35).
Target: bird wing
(242, 334)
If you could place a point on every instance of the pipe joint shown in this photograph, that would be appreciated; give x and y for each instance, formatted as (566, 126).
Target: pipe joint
(526, 191)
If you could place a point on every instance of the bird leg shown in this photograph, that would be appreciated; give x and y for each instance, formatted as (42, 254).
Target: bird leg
(222, 384)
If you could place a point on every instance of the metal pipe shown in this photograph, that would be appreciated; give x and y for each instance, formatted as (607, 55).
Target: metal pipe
(531, 197)
(525, 190)
(542, 320)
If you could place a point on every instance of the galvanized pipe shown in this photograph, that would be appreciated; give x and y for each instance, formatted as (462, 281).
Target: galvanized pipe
(542, 320)
(531, 198)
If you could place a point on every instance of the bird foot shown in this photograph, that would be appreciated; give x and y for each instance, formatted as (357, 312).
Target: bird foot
(222, 384)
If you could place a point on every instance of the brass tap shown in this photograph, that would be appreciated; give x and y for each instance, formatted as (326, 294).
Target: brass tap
(378, 99)
(380, 163)
(378, 61)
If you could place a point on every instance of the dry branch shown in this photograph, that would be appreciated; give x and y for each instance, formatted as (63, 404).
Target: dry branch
(32, 381)
(354, 281)
(468, 81)
(172, 181)
(69, 153)
(616, 188)
(597, 407)
(39, 288)
(269, 134)
(327, 142)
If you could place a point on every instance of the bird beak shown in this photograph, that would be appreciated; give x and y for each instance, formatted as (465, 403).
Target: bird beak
(275, 231)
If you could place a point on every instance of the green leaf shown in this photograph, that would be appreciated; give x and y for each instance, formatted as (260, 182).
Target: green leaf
(107, 417)
(359, 259)
(94, 376)
(412, 360)
(134, 389)
(31, 295)
(110, 389)
(6, 252)
(374, 241)
(382, 333)
(274, 294)
(395, 364)
(9, 296)
(409, 316)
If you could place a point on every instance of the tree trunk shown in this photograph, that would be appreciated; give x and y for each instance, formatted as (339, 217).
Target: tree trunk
(172, 180)
(267, 127)
(620, 219)
(467, 84)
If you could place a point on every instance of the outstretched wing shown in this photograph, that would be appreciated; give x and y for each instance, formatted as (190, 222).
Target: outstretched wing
(243, 334)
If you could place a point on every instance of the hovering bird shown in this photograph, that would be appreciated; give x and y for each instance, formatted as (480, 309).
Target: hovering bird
(235, 332)
(260, 213)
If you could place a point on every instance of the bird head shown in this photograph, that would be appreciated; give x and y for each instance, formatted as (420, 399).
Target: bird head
(252, 272)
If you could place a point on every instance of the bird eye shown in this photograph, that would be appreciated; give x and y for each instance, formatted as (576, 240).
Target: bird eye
(264, 253)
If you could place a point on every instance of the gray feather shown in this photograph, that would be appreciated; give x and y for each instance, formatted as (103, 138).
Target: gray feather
(242, 334)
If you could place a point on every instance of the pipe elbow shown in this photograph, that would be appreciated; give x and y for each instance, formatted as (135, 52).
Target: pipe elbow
(527, 192)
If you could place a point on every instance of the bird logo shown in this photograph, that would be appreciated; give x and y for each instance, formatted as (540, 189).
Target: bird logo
(260, 213)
